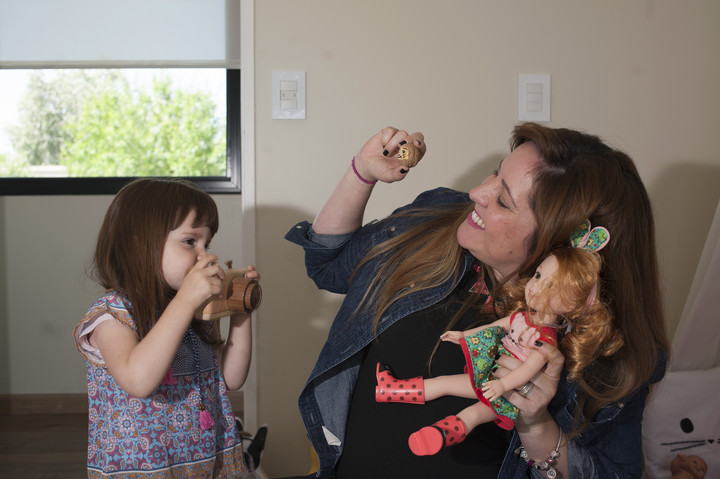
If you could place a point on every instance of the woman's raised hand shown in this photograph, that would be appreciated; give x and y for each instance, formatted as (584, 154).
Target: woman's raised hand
(377, 159)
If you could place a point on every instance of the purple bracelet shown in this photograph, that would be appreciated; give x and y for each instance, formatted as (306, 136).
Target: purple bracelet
(358, 174)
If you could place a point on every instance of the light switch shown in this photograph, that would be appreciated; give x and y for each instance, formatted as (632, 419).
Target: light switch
(534, 97)
(288, 95)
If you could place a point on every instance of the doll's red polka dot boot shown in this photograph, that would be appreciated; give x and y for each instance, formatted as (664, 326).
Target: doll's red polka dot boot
(389, 389)
(430, 439)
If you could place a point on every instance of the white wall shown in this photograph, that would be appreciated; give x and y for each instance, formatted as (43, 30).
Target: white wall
(641, 74)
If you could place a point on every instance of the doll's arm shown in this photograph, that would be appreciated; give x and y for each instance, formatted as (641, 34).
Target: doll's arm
(492, 390)
(457, 336)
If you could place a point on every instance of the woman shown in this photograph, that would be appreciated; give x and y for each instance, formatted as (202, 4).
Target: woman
(435, 265)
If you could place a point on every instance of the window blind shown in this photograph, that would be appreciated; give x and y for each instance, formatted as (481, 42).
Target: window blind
(127, 33)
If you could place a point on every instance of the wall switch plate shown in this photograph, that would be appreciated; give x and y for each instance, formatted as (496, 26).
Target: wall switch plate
(288, 95)
(534, 97)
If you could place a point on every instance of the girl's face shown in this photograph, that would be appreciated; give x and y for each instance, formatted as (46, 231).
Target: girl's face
(184, 246)
(497, 230)
(538, 289)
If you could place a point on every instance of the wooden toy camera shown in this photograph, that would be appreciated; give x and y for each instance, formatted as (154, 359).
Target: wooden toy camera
(239, 294)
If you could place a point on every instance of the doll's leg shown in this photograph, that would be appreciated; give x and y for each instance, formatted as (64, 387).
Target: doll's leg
(418, 390)
(478, 413)
(451, 385)
(389, 389)
(449, 431)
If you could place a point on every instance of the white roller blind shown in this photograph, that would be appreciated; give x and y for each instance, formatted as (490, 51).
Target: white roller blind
(120, 33)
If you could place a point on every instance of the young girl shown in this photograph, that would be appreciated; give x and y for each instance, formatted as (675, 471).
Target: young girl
(157, 379)
(561, 294)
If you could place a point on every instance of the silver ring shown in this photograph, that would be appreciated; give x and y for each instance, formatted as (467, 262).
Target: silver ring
(526, 389)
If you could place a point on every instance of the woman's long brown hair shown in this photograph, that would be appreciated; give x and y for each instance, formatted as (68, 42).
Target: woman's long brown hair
(580, 178)
(128, 254)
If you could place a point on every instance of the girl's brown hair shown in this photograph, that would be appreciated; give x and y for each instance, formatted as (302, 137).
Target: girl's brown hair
(128, 255)
(580, 178)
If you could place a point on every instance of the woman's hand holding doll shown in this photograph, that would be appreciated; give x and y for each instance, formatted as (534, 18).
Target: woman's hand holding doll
(545, 383)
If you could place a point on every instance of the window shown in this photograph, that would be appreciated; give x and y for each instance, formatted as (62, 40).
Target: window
(111, 93)
(129, 123)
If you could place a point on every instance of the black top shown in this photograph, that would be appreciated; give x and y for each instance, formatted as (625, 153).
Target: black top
(376, 441)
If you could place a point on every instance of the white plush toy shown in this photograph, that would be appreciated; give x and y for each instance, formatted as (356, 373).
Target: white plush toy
(681, 425)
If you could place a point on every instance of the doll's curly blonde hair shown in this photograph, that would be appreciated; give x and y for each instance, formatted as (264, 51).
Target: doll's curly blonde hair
(590, 333)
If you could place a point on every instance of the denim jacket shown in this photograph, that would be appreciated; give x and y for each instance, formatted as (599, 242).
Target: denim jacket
(610, 447)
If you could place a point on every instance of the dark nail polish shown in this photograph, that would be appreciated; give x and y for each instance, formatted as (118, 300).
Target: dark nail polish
(403, 142)
(403, 170)
(385, 153)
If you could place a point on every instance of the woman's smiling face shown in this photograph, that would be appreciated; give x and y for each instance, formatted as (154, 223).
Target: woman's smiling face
(497, 230)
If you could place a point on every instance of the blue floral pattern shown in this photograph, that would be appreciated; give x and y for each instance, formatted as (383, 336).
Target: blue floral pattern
(159, 436)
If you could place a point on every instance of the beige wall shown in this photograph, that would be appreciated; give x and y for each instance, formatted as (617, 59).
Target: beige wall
(44, 287)
(643, 75)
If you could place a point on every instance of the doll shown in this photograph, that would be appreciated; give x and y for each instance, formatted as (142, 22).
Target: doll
(688, 467)
(561, 295)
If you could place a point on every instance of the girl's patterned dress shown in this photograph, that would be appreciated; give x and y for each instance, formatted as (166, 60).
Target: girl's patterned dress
(481, 348)
(162, 435)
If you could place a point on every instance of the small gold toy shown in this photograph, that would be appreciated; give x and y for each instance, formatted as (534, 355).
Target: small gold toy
(409, 155)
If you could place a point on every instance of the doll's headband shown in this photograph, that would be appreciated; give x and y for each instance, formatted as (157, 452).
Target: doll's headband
(593, 239)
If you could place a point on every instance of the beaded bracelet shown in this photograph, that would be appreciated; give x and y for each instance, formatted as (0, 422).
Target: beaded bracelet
(548, 464)
(359, 176)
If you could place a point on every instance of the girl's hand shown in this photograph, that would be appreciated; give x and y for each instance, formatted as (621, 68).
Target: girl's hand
(493, 390)
(377, 159)
(252, 273)
(533, 408)
(201, 282)
(452, 336)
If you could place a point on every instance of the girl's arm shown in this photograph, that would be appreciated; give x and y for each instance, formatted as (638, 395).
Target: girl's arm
(343, 211)
(235, 354)
(139, 366)
(457, 336)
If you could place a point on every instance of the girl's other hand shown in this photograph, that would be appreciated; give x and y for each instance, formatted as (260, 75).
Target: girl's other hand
(252, 273)
(377, 159)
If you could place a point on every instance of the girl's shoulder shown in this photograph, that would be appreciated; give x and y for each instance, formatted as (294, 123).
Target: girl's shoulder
(114, 304)
(109, 307)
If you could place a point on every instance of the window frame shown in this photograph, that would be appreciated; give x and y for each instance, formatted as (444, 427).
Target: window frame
(230, 184)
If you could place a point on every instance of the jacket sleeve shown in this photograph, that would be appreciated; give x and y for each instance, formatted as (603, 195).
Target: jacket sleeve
(612, 445)
(608, 448)
(330, 260)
